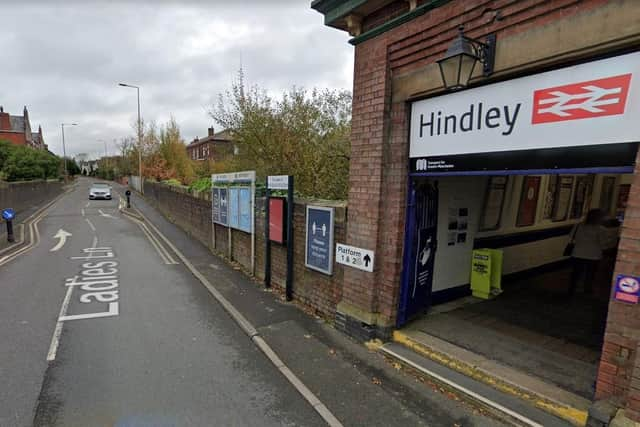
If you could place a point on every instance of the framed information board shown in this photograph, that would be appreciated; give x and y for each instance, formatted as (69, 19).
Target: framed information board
(319, 239)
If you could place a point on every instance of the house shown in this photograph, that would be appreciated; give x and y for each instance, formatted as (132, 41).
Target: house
(17, 130)
(87, 167)
(215, 147)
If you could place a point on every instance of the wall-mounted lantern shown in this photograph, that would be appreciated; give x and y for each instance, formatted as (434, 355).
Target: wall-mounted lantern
(460, 60)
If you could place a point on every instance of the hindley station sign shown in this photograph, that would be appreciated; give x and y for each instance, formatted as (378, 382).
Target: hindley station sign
(584, 116)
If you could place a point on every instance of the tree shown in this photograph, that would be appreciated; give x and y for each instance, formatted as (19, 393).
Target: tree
(304, 133)
(72, 166)
(26, 163)
(174, 152)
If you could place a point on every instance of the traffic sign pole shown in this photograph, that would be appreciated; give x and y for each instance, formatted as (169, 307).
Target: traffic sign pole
(8, 215)
(10, 237)
(289, 286)
(267, 248)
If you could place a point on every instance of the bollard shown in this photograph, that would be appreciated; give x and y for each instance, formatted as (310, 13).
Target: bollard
(8, 215)
(128, 194)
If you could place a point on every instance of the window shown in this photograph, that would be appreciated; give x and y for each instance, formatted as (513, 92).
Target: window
(582, 198)
(528, 201)
(493, 202)
(562, 198)
(606, 193)
(550, 197)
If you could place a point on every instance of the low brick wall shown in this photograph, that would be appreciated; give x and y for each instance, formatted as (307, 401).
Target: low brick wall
(192, 213)
(24, 195)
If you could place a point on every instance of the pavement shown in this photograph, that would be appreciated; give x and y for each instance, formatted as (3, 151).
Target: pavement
(108, 327)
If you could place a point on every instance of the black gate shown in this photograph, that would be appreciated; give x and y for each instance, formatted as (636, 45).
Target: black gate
(420, 249)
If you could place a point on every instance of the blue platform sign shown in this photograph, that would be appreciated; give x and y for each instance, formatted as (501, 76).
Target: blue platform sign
(8, 214)
(319, 239)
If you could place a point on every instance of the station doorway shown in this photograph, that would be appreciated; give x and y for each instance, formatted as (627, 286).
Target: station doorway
(549, 318)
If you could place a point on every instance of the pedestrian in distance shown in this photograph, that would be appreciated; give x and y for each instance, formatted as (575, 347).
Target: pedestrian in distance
(588, 240)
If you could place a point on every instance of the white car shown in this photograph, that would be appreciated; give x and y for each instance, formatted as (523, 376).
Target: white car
(100, 190)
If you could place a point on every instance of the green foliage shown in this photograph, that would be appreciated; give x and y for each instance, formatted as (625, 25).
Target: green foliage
(172, 181)
(18, 162)
(202, 184)
(72, 166)
(173, 151)
(305, 134)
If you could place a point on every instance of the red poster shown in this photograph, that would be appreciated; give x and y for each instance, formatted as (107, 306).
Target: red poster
(276, 220)
(528, 201)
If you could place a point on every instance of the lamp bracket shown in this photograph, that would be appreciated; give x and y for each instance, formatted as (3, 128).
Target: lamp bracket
(485, 51)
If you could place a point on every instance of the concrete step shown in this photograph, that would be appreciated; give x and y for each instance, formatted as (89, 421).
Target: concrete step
(531, 391)
(509, 407)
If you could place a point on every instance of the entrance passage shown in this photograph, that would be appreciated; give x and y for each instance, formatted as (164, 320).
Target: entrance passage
(548, 314)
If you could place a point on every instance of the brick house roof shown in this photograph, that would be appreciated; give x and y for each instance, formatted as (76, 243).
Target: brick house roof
(222, 136)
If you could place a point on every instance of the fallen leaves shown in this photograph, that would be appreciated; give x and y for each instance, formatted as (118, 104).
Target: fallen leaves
(376, 381)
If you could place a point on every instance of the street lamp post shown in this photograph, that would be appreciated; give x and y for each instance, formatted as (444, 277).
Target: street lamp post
(139, 135)
(104, 163)
(64, 150)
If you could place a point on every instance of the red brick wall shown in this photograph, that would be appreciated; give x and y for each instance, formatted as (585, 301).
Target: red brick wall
(384, 14)
(13, 137)
(370, 107)
(619, 371)
(423, 40)
(5, 121)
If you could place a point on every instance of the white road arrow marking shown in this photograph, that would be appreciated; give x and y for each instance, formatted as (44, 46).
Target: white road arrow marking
(62, 235)
(106, 215)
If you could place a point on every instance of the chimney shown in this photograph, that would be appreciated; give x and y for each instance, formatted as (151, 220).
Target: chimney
(211, 131)
(5, 121)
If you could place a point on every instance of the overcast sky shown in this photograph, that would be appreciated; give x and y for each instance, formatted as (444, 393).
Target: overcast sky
(64, 59)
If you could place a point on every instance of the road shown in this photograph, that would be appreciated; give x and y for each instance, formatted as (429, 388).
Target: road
(108, 328)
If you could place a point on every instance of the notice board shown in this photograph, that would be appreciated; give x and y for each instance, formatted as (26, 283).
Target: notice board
(319, 239)
(219, 205)
(240, 208)
(277, 223)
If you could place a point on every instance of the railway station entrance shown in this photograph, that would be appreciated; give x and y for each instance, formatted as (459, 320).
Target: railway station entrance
(527, 179)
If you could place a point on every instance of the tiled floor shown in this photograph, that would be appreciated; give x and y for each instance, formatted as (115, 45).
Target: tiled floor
(532, 326)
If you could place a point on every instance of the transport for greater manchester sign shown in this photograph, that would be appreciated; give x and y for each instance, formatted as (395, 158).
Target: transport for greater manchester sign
(543, 116)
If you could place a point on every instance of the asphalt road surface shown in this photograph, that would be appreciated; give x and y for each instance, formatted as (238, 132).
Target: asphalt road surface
(105, 328)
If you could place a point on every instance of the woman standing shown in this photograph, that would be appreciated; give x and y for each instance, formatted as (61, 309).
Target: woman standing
(589, 239)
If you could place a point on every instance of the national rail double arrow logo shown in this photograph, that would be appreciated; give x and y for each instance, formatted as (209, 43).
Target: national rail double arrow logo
(584, 100)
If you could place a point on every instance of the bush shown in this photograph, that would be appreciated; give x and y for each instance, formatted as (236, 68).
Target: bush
(172, 181)
(18, 162)
(202, 184)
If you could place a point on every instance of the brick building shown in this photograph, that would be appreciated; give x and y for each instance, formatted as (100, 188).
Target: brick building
(17, 130)
(215, 146)
(437, 173)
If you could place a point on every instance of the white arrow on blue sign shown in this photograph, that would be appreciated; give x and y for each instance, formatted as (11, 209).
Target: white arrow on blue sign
(8, 214)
